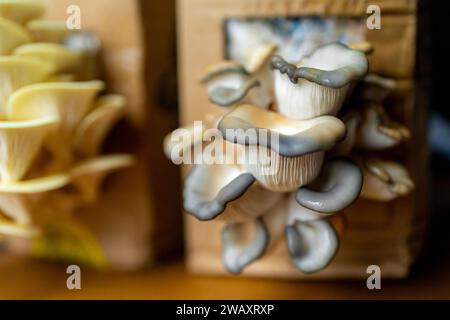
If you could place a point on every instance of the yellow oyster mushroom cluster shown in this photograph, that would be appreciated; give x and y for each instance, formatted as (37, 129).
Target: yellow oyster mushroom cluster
(51, 126)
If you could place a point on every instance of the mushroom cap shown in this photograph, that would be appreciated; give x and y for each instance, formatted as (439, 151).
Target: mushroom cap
(62, 57)
(20, 11)
(48, 30)
(333, 65)
(21, 141)
(219, 69)
(88, 175)
(250, 125)
(16, 72)
(385, 180)
(37, 185)
(94, 127)
(12, 35)
(209, 188)
(260, 56)
(377, 131)
(243, 243)
(14, 229)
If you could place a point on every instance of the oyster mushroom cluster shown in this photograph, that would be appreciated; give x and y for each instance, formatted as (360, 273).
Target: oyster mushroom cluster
(52, 125)
(298, 185)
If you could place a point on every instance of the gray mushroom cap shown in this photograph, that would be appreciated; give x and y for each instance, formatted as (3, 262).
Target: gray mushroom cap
(303, 137)
(350, 67)
(243, 243)
(206, 199)
(312, 245)
(337, 187)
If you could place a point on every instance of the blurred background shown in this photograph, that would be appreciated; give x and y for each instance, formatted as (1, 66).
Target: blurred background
(149, 32)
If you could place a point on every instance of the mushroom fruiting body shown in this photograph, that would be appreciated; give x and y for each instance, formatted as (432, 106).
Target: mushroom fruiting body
(283, 154)
(12, 35)
(320, 82)
(64, 59)
(20, 11)
(21, 141)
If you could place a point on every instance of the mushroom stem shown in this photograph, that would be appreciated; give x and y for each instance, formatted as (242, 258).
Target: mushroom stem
(338, 186)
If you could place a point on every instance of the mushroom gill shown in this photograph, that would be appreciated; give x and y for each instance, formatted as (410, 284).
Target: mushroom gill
(67, 101)
(21, 141)
(320, 82)
(282, 154)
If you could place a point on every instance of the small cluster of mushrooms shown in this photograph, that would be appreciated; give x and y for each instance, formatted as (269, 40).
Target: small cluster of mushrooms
(314, 171)
(52, 124)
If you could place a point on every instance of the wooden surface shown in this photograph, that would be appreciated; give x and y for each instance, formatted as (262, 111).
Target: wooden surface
(25, 279)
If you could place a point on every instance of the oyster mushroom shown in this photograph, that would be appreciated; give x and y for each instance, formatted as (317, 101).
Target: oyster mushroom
(67, 101)
(12, 35)
(64, 59)
(14, 229)
(21, 141)
(385, 180)
(20, 11)
(229, 82)
(377, 131)
(18, 199)
(88, 176)
(48, 30)
(320, 82)
(376, 88)
(338, 186)
(93, 128)
(312, 244)
(180, 143)
(247, 241)
(352, 121)
(209, 189)
(16, 72)
(243, 243)
(283, 154)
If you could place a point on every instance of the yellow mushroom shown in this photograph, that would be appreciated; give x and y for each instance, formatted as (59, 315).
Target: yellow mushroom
(20, 11)
(67, 101)
(88, 176)
(21, 141)
(12, 35)
(11, 228)
(16, 72)
(62, 57)
(48, 30)
(18, 199)
(92, 130)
